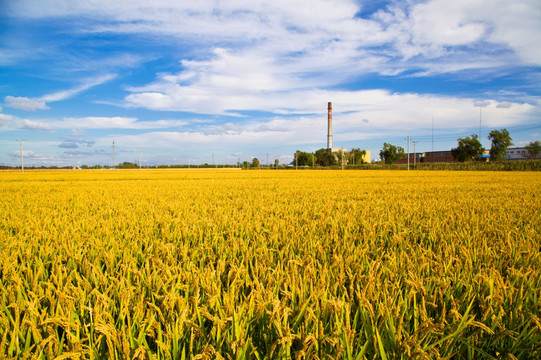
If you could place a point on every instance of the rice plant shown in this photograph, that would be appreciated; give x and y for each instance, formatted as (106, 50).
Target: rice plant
(270, 265)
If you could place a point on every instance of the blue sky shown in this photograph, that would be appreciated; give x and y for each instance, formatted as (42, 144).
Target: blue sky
(193, 81)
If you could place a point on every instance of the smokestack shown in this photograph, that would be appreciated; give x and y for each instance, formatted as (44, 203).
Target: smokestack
(329, 129)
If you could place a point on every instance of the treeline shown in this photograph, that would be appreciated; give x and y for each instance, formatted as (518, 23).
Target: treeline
(469, 149)
(516, 165)
(323, 157)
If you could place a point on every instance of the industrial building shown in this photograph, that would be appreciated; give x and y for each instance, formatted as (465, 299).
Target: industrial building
(516, 153)
(330, 148)
(519, 153)
(428, 157)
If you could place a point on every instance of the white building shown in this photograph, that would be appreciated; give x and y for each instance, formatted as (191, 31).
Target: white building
(519, 153)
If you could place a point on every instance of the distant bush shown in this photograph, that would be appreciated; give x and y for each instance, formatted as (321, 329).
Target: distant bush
(514, 165)
(518, 165)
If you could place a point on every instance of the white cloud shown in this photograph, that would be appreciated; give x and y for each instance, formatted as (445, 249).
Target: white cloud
(116, 122)
(441, 23)
(222, 85)
(76, 125)
(87, 84)
(504, 105)
(357, 116)
(6, 121)
(97, 122)
(36, 125)
(281, 58)
(77, 132)
(481, 103)
(326, 33)
(24, 103)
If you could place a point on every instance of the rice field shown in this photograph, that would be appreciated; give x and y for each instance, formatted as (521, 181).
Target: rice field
(206, 264)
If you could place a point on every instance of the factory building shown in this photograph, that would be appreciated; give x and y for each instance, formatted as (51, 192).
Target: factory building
(519, 153)
(442, 156)
(330, 147)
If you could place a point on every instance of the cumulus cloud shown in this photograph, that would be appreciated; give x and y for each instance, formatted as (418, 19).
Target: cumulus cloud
(24, 103)
(36, 125)
(312, 29)
(285, 62)
(389, 113)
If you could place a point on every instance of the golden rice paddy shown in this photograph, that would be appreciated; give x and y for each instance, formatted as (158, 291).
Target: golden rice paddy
(172, 264)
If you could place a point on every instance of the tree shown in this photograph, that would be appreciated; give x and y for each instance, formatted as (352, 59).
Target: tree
(501, 140)
(255, 163)
(246, 164)
(325, 158)
(304, 158)
(534, 149)
(390, 153)
(468, 149)
(276, 162)
(356, 156)
(127, 165)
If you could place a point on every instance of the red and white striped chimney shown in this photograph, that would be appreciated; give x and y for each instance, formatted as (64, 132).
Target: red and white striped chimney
(329, 128)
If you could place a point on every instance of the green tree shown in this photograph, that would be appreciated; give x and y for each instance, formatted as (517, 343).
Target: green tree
(391, 154)
(276, 162)
(468, 149)
(501, 140)
(534, 149)
(325, 158)
(303, 158)
(255, 162)
(127, 165)
(356, 156)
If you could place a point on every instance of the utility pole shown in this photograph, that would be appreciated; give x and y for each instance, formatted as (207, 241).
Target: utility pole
(113, 154)
(408, 138)
(432, 133)
(414, 155)
(21, 151)
(480, 122)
